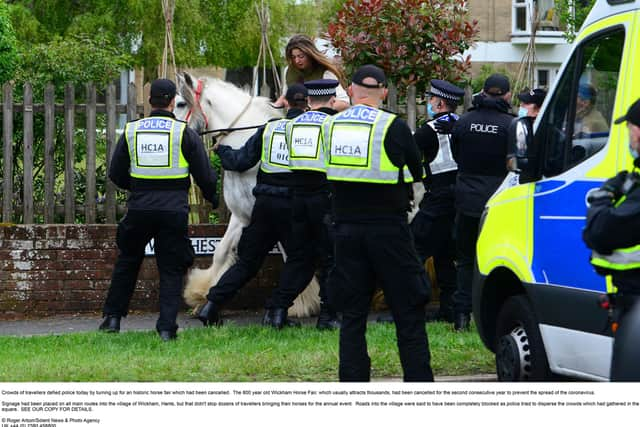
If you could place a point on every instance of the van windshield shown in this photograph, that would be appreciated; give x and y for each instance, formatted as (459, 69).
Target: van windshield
(578, 121)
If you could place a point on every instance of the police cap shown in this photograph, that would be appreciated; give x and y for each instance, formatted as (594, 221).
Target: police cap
(162, 92)
(533, 96)
(632, 116)
(296, 92)
(444, 89)
(372, 72)
(321, 87)
(496, 85)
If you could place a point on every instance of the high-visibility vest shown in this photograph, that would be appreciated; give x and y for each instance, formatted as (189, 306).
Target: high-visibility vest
(155, 148)
(444, 159)
(304, 137)
(275, 152)
(355, 152)
(620, 259)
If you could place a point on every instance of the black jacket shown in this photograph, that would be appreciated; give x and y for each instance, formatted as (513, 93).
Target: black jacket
(479, 145)
(364, 202)
(439, 197)
(609, 228)
(247, 156)
(165, 194)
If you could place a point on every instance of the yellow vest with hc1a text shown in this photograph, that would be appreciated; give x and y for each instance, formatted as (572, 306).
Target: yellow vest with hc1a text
(354, 146)
(155, 148)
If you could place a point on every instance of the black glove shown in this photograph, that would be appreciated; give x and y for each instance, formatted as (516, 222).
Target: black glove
(445, 124)
(614, 185)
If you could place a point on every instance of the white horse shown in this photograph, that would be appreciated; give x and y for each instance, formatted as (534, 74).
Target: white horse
(207, 104)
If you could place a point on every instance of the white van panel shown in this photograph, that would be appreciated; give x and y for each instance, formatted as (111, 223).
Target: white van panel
(577, 354)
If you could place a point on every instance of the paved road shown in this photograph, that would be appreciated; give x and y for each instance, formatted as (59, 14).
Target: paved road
(147, 321)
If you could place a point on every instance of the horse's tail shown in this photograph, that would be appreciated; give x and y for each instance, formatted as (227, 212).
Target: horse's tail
(308, 302)
(198, 284)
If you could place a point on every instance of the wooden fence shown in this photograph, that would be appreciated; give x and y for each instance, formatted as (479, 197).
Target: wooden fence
(18, 204)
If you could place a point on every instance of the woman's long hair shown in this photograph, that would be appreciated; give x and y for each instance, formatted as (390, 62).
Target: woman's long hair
(318, 59)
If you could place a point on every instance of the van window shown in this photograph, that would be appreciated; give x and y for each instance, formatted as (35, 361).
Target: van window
(577, 122)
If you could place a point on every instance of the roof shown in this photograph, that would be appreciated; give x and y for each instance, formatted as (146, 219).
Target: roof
(605, 8)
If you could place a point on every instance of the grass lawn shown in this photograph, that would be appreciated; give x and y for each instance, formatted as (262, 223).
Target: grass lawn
(229, 353)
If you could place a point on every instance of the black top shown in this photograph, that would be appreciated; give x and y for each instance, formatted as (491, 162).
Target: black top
(165, 194)
(609, 228)
(479, 145)
(439, 196)
(365, 202)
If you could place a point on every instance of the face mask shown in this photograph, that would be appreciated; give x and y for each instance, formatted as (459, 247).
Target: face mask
(633, 152)
(522, 112)
(430, 111)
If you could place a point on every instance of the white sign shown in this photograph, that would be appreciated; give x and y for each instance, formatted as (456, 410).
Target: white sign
(201, 246)
(152, 149)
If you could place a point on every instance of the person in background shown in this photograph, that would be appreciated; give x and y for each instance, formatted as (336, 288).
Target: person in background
(479, 141)
(153, 160)
(530, 104)
(588, 119)
(305, 63)
(270, 221)
(372, 161)
(613, 233)
(432, 227)
(311, 245)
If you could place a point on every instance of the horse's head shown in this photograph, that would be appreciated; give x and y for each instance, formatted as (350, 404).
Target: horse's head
(189, 102)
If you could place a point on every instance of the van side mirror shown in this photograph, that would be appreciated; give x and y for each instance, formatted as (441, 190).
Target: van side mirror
(523, 154)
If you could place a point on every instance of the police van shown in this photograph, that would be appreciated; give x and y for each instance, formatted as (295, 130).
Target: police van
(535, 294)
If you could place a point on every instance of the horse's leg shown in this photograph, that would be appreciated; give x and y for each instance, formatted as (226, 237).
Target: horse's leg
(199, 281)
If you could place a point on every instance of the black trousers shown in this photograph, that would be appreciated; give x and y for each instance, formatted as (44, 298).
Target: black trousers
(270, 223)
(366, 254)
(310, 248)
(433, 237)
(466, 236)
(174, 255)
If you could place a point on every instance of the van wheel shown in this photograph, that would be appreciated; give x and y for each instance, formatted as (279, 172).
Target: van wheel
(520, 354)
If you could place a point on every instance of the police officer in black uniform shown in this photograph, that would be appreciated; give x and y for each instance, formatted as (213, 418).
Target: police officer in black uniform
(432, 227)
(613, 233)
(311, 244)
(153, 160)
(479, 141)
(372, 161)
(271, 216)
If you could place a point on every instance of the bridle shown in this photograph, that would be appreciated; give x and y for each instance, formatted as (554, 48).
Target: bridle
(222, 131)
(197, 102)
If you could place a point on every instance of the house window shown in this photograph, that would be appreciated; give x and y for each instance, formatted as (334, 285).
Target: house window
(520, 16)
(545, 76)
(543, 11)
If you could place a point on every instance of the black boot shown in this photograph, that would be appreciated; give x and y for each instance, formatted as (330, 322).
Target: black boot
(209, 315)
(277, 318)
(110, 324)
(461, 322)
(327, 319)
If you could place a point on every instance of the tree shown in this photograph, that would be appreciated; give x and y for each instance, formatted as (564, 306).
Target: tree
(8, 55)
(572, 14)
(412, 40)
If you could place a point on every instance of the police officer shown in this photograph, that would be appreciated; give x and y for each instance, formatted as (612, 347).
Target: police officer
(271, 216)
(310, 245)
(479, 142)
(432, 227)
(153, 160)
(371, 162)
(613, 233)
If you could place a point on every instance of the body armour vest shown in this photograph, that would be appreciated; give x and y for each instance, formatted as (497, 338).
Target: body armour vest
(444, 159)
(155, 148)
(355, 151)
(304, 137)
(275, 153)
